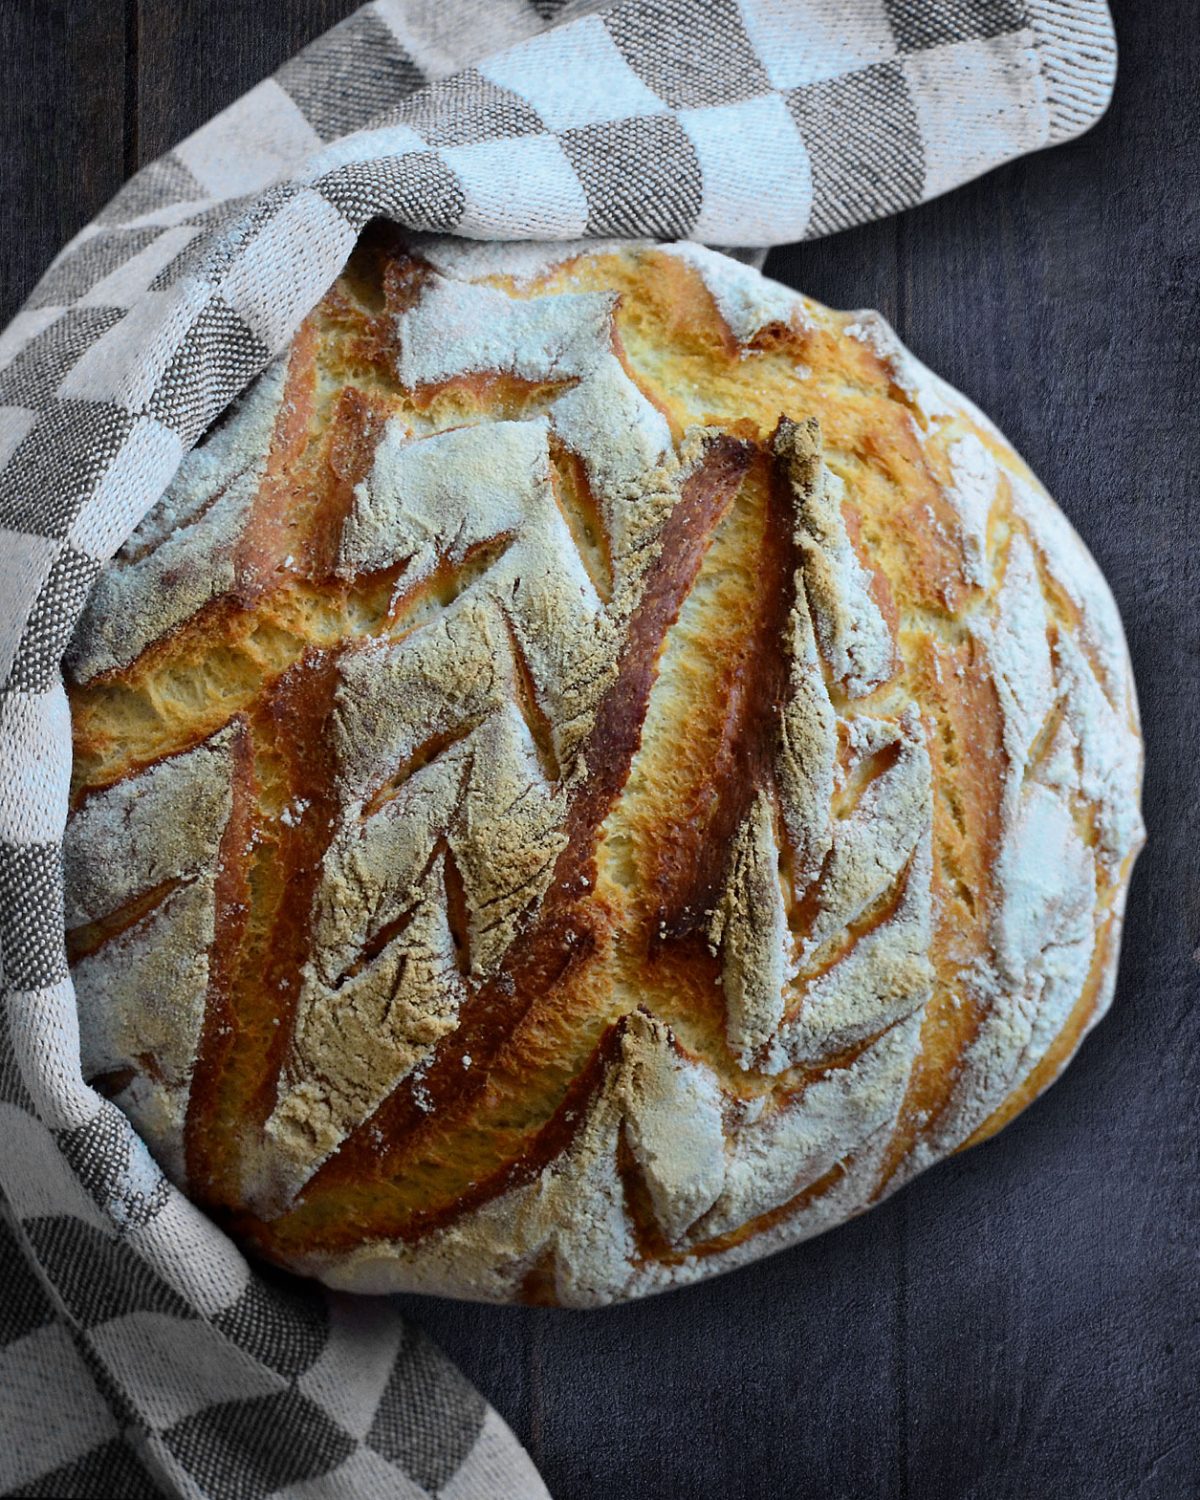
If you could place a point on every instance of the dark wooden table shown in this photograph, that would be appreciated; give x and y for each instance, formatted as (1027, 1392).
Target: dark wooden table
(1025, 1320)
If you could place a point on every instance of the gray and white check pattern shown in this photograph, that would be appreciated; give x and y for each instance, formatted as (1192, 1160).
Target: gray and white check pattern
(139, 1353)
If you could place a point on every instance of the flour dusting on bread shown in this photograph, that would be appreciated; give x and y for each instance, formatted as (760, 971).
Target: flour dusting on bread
(597, 769)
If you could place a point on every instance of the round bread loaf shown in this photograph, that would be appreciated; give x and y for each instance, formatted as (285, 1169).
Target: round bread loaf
(597, 769)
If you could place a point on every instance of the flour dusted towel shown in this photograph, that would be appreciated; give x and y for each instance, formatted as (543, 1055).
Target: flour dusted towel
(139, 1353)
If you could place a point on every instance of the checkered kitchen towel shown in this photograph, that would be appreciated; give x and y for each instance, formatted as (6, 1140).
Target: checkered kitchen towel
(139, 1353)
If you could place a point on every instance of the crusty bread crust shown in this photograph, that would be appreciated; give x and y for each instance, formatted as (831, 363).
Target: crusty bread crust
(598, 768)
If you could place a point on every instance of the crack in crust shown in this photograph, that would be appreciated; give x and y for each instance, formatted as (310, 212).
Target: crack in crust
(565, 777)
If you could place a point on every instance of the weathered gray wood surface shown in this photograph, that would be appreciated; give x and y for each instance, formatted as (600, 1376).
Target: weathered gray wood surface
(1025, 1321)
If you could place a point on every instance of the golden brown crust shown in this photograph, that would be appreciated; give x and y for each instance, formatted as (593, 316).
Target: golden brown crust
(682, 780)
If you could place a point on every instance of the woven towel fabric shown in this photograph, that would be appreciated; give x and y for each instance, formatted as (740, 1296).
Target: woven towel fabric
(139, 1353)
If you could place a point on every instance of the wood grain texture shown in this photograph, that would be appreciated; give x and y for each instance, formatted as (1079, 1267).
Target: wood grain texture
(1023, 1320)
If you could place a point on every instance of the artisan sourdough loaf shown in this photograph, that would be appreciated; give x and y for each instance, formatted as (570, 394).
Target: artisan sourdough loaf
(598, 768)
